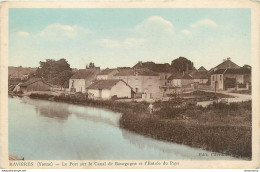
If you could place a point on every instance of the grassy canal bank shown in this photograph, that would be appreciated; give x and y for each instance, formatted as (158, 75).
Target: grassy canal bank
(222, 128)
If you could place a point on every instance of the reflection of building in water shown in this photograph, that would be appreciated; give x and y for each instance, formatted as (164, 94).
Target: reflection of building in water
(49, 109)
(96, 115)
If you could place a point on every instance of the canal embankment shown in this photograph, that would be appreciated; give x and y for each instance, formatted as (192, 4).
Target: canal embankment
(220, 127)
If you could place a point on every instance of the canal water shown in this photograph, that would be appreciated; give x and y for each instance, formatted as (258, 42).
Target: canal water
(45, 130)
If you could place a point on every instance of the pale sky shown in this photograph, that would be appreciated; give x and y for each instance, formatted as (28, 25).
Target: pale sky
(122, 37)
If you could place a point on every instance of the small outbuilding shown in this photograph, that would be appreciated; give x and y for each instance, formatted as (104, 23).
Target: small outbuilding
(35, 84)
(106, 89)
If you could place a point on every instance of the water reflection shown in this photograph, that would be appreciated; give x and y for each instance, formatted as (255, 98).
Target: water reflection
(49, 109)
(96, 115)
(62, 111)
(85, 133)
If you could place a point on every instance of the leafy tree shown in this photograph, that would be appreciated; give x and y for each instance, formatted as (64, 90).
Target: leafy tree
(91, 65)
(181, 64)
(55, 72)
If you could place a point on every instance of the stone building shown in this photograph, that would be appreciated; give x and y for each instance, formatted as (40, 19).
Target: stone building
(226, 79)
(82, 79)
(107, 74)
(143, 81)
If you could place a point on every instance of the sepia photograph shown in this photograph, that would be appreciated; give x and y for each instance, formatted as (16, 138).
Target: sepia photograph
(155, 85)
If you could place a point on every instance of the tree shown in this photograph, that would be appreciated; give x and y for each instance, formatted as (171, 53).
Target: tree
(55, 72)
(91, 65)
(182, 64)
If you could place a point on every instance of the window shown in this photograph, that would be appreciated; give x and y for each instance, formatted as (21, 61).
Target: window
(136, 90)
(220, 77)
(165, 77)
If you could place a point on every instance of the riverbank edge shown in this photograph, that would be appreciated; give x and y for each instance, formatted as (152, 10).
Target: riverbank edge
(172, 131)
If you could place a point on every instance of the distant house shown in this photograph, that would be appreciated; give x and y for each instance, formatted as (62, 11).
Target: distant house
(180, 80)
(143, 81)
(200, 77)
(107, 74)
(82, 79)
(236, 78)
(163, 69)
(106, 89)
(35, 84)
(202, 70)
(20, 72)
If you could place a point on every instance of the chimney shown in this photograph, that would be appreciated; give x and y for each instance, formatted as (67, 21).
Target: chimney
(228, 58)
(140, 62)
(224, 60)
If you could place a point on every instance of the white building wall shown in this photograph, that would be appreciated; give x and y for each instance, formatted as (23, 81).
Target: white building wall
(140, 83)
(79, 85)
(220, 81)
(201, 81)
(176, 82)
(102, 77)
(106, 94)
(121, 90)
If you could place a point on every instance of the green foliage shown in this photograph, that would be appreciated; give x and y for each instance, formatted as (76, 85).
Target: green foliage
(180, 64)
(55, 72)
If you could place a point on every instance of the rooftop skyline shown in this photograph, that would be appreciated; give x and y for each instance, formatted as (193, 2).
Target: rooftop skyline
(122, 37)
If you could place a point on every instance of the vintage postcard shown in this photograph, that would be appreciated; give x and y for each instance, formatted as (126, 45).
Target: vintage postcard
(171, 84)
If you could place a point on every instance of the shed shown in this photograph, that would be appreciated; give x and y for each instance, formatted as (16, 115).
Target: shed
(35, 84)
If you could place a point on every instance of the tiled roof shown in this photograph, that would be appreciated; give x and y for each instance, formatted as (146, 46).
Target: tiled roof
(105, 84)
(106, 71)
(33, 80)
(133, 72)
(226, 64)
(156, 67)
(240, 71)
(180, 76)
(85, 74)
(199, 75)
(202, 69)
(186, 76)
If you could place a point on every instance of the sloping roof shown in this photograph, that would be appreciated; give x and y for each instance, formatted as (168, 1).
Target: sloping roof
(227, 64)
(239, 71)
(156, 67)
(202, 69)
(180, 76)
(138, 71)
(85, 74)
(199, 75)
(106, 71)
(105, 84)
(31, 81)
(186, 76)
